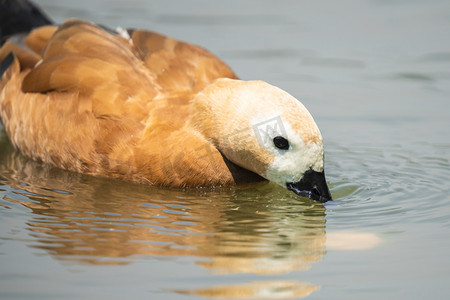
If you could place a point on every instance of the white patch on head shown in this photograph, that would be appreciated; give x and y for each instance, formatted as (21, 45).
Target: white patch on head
(289, 165)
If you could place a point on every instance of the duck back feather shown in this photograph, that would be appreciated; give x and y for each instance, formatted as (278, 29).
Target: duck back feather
(94, 101)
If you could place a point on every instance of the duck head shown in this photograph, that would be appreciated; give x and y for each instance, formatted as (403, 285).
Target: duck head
(265, 130)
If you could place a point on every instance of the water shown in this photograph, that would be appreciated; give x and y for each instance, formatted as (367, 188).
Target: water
(376, 77)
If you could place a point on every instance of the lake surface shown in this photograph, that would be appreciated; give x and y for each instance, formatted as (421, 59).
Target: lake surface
(376, 77)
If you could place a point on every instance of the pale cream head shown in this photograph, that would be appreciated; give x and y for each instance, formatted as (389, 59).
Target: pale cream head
(243, 119)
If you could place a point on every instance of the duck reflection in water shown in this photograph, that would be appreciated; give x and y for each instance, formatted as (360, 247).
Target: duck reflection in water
(251, 229)
(90, 219)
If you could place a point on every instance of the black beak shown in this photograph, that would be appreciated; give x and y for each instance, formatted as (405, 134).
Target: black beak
(313, 185)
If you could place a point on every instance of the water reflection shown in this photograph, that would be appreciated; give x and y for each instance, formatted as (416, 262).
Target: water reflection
(254, 229)
(283, 289)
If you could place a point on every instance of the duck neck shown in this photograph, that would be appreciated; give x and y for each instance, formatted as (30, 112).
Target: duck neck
(215, 115)
(220, 114)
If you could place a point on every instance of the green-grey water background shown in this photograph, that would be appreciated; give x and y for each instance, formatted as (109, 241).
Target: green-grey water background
(375, 74)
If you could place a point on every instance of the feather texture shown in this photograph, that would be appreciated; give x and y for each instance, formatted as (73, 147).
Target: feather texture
(86, 100)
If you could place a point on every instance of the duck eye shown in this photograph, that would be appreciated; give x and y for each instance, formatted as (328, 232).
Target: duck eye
(281, 143)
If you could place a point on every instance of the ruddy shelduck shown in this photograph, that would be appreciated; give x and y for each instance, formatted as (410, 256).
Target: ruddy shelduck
(139, 106)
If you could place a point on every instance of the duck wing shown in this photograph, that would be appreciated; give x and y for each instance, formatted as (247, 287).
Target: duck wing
(83, 59)
(114, 104)
(111, 67)
(178, 65)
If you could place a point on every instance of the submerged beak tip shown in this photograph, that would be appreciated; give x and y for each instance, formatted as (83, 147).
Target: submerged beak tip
(312, 185)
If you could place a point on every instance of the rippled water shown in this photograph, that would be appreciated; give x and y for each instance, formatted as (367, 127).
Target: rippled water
(376, 77)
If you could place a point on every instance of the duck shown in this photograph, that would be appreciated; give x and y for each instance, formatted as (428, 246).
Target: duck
(140, 106)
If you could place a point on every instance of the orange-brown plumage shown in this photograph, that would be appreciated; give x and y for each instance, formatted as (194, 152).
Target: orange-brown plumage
(139, 106)
(85, 106)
